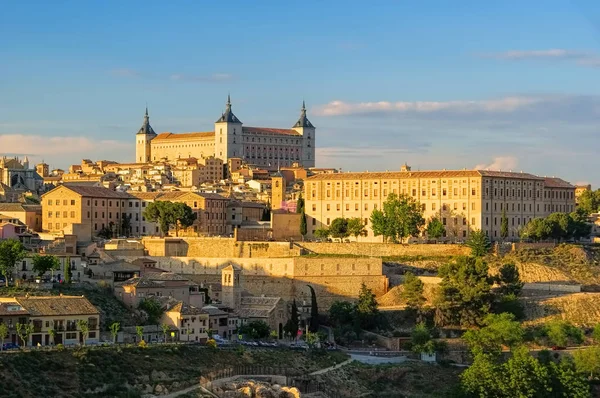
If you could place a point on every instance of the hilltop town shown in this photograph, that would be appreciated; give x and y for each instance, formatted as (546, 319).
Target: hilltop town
(232, 240)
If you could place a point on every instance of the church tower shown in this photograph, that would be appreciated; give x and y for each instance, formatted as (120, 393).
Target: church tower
(307, 131)
(278, 186)
(231, 293)
(143, 139)
(228, 135)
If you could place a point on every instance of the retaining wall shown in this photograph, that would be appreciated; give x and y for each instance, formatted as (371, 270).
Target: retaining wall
(386, 249)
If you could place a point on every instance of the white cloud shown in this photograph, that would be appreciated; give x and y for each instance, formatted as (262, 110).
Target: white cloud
(507, 104)
(582, 58)
(500, 163)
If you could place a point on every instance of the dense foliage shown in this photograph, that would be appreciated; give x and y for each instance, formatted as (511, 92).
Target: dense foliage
(11, 251)
(168, 214)
(435, 228)
(255, 330)
(401, 217)
(43, 264)
(558, 226)
(479, 243)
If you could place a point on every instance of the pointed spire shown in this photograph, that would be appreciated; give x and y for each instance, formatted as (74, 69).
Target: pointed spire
(228, 116)
(146, 128)
(303, 121)
(228, 99)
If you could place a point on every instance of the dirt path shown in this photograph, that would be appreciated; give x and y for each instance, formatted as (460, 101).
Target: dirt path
(339, 365)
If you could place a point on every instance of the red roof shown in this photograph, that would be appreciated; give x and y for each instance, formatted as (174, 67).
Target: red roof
(267, 130)
(184, 136)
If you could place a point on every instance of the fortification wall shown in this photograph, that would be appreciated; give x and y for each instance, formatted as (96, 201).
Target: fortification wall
(539, 245)
(217, 248)
(385, 249)
(288, 277)
(551, 287)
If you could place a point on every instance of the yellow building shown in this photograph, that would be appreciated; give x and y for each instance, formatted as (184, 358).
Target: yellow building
(464, 200)
(58, 315)
(82, 210)
(191, 322)
(278, 188)
(260, 146)
(29, 215)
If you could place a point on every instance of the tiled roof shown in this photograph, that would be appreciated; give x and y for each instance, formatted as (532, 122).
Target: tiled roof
(421, 174)
(171, 195)
(213, 311)
(262, 302)
(10, 207)
(143, 261)
(185, 309)
(145, 195)
(92, 192)
(553, 182)
(184, 136)
(207, 195)
(57, 305)
(12, 308)
(253, 204)
(267, 130)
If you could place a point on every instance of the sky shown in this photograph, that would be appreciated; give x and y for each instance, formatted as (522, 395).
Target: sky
(508, 85)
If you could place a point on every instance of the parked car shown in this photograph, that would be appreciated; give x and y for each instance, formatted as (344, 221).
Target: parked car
(10, 346)
(558, 348)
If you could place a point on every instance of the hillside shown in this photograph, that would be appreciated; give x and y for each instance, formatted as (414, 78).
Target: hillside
(133, 371)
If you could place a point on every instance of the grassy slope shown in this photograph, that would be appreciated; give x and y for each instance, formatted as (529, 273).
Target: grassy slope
(410, 379)
(112, 370)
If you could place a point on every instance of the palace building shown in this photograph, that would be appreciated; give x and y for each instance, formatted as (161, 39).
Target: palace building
(464, 200)
(260, 146)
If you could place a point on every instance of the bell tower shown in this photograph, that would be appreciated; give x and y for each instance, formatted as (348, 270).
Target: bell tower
(228, 135)
(307, 131)
(231, 293)
(143, 140)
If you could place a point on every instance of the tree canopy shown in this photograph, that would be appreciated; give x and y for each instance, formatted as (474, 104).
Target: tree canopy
(366, 307)
(400, 218)
(498, 331)
(435, 228)
(255, 330)
(339, 228)
(589, 201)
(464, 295)
(168, 214)
(11, 251)
(557, 226)
(479, 243)
(43, 264)
(412, 292)
(356, 227)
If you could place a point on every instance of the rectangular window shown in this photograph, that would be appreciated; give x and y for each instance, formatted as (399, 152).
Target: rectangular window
(347, 206)
(72, 203)
(473, 221)
(356, 206)
(444, 220)
(444, 192)
(366, 206)
(473, 206)
(433, 206)
(473, 191)
(314, 207)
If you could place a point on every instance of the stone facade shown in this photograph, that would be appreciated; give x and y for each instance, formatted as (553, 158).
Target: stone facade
(464, 200)
(259, 146)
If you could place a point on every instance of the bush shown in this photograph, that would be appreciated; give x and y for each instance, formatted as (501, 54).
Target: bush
(211, 343)
(142, 344)
(60, 347)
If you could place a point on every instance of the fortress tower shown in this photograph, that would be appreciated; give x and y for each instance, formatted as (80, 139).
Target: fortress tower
(142, 141)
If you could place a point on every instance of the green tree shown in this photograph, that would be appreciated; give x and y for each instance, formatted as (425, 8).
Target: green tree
(300, 204)
(498, 331)
(52, 334)
(139, 330)
(165, 329)
(43, 264)
(560, 225)
(314, 311)
(366, 308)
(341, 313)
(482, 378)
(587, 361)
(464, 295)
(479, 243)
(536, 229)
(339, 228)
(504, 225)
(563, 333)
(303, 225)
(435, 228)
(596, 334)
(24, 330)
(292, 325)
(401, 218)
(114, 330)
(580, 227)
(525, 376)
(11, 252)
(255, 329)
(153, 308)
(589, 202)
(126, 224)
(566, 382)
(321, 233)
(84, 328)
(412, 292)
(161, 213)
(266, 215)
(182, 216)
(508, 280)
(3, 334)
(356, 227)
(421, 341)
(67, 270)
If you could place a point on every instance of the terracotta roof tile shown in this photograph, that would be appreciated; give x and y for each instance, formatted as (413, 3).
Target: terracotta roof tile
(184, 136)
(422, 174)
(267, 130)
(57, 305)
(92, 192)
(553, 182)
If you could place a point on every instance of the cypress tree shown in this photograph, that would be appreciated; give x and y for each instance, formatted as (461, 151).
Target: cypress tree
(314, 311)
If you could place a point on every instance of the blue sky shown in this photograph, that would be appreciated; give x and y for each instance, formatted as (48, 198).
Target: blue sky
(437, 84)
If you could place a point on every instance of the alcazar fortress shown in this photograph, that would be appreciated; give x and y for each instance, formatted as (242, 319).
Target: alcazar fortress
(260, 146)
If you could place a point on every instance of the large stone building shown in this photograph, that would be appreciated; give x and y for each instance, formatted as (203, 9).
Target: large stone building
(260, 146)
(464, 200)
(16, 174)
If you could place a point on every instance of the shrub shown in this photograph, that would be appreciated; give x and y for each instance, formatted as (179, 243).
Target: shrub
(142, 344)
(211, 343)
(60, 347)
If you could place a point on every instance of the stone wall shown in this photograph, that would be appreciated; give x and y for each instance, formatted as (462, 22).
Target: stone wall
(217, 248)
(385, 249)
(288, 277)
(539, 245)
(552, 287)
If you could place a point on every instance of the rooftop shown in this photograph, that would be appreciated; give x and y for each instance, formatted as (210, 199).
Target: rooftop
(268, 130)
(91, 192)
(184, 136)
(57, 305)
(557, 183)
(422, 174)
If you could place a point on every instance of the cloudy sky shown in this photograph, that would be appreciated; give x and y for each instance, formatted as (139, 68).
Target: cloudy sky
(436, 84)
